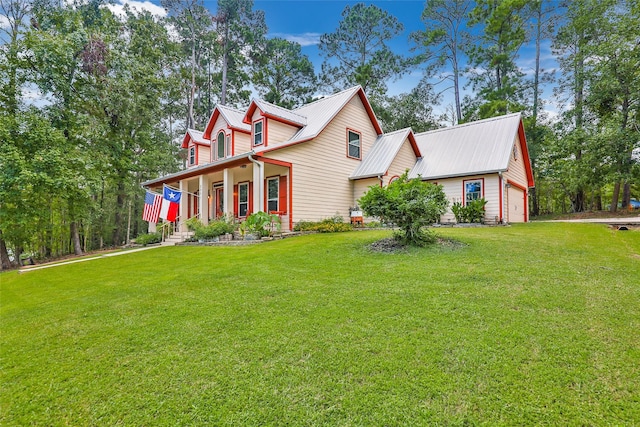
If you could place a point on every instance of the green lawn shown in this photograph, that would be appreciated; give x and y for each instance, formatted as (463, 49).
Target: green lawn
(530, 324)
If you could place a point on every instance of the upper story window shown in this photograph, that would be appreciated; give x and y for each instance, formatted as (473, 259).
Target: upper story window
(515, 152)
(192, 155)
(472, 190)
(257, 133)
(353, 145)
(221, 145)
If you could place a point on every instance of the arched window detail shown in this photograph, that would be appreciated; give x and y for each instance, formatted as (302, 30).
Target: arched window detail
(221, 145)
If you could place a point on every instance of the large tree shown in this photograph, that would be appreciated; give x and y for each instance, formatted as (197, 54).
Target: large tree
(286, 76)
(496, 78)
(441, 43)
(358, 52)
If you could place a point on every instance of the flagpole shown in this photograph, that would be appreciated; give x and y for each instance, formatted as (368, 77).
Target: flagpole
(182, 191)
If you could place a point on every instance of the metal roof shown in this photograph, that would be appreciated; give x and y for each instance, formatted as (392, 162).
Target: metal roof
(196, 136)
(233, 117)
(468, 149)
(378, 160)
(276, 111)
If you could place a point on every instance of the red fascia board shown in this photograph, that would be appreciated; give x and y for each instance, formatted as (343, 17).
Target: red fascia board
(210, 123)
(369, 109)
(525, 155)
(249, 114)
(414, 144)
(515, 184)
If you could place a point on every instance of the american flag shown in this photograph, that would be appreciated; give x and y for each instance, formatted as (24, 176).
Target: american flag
(152, 203)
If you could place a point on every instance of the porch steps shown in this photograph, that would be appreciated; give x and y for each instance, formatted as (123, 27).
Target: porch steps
(177, 237)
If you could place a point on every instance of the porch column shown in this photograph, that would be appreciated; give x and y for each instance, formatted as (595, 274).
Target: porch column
(203, 202)
(184, 204)
(258, 186)
(227, 177)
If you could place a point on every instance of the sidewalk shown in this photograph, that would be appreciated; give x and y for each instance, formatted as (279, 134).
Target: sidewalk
(28, 268)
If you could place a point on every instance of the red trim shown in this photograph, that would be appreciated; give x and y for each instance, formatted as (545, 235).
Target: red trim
(525, 155)
(515, 184)
(360, 139)
(414, 144)
(500, 191)
(273, 161)
(369, 109)
(282, 120)
(290, 195)
(391, 179)
(464, 192)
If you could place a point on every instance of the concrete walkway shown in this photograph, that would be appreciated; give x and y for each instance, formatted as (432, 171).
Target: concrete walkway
(632, 220)
(88, 258)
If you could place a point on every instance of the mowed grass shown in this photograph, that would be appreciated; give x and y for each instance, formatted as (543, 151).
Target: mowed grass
(529, 324)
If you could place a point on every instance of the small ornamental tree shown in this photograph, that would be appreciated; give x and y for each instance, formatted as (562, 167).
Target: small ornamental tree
(411, 204)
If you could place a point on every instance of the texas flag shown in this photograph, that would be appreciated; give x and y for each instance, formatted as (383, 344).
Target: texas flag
(170, 204)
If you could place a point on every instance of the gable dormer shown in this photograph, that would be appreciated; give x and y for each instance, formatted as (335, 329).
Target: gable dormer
(197, 148)
(229, 135)
(271, 124)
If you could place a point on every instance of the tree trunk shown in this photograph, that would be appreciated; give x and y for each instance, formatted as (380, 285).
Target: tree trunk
(626, 195)
(75, 238)
(5, 262)
(117, 230)
(614, 198)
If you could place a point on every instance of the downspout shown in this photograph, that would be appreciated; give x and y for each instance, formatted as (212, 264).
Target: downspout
(259, 165)
(501, 182)
(381, 180)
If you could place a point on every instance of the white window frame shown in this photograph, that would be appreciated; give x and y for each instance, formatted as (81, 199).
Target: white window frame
(349, 144)
(256, 133)
(240, 202)
(480, 192)
(275, 199)
(192, 155)
(218, 156)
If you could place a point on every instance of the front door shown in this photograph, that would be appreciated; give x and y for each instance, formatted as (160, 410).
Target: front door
(219, 201)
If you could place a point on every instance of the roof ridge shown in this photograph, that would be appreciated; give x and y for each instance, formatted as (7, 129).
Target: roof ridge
(354, 88)
(487, 120)
(278, 107)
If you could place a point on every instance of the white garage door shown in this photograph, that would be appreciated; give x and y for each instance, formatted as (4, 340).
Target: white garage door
(515, 201)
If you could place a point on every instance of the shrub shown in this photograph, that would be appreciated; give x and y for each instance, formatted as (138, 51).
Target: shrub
(148, 239)
(261, 223)
(472, 212)
(214, 229)
(411, 204)
(335, 224)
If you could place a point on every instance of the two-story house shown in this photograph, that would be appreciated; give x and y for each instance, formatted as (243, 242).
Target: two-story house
(316, 161)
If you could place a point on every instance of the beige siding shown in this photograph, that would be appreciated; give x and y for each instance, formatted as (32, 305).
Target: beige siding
(204, 154)
(516, 171)
(321, 168)
(405, 159)
(241, 142)
(278, 132)
(453, 188)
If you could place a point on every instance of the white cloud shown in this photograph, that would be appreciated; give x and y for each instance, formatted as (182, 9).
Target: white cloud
(4, 22)
(304, 39)
(154, 9)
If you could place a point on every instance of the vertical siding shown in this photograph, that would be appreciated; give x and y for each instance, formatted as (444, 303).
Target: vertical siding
(279, 132)
(321, 168)
(405, 159)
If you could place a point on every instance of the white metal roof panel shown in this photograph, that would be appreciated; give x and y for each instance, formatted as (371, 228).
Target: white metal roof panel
(468, 149)
(233, 117)
(283, 113)
(379, 158)
(196, 136)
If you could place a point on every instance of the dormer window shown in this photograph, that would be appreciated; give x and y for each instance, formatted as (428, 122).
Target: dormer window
(192, 156)
(257, 133)
(221, 145)
(353, 145)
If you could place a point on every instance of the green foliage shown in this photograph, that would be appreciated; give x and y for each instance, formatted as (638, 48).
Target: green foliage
(212, 230)
(148, 239)
(471, 212)
(261, 223)
(360, 45)
(335, 224)
(411, 204)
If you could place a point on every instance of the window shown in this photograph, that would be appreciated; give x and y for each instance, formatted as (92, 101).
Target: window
(515, 152)
(229, 153)
(257, 133)
(472, 190)
(273, 186)
(243, 199)
(220, 145)
(192, 155)
(353, 148)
